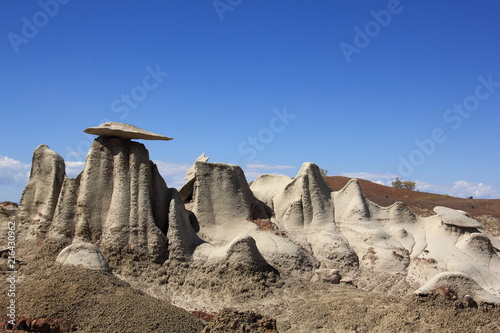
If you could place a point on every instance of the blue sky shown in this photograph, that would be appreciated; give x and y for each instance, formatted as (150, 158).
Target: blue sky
(368, 89)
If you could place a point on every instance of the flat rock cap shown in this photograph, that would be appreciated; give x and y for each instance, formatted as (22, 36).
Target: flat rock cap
(456, 218)
(124, 131)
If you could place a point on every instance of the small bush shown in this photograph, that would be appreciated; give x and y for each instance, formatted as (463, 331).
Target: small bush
(407, 184)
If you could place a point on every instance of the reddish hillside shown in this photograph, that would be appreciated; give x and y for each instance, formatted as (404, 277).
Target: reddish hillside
(487, 211)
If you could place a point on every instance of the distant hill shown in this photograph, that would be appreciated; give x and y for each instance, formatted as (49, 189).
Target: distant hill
(486, 211)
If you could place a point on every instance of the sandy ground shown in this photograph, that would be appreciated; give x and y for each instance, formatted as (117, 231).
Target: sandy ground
(99, 302)
(95, 302)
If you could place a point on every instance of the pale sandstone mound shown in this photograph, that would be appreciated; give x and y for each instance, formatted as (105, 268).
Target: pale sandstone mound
(456, 218)
(351, 203)
(306, 201)
(266, 186)
(241, 252)
(399, 250)
(222, 201)
(457, 285)
(85, 255)
(226, 208)
(124, 131)
(305, 209)
(369, 229)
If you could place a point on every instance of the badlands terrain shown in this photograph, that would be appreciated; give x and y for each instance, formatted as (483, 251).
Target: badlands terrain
(117, 250)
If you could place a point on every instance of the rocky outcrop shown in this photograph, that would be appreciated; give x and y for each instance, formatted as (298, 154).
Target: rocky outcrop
(456, 218)
(119, 201)
(305, 209)
(181, 235)
(39, 199)
(306, 201)
(223, 202)
(457, 285)
(351, 203)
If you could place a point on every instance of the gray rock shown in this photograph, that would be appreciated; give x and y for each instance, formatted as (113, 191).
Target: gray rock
(119, 201)
(124, 131)
(456, 218)
(39, 199)
(458, 284)
(85, 255)
(327, 275)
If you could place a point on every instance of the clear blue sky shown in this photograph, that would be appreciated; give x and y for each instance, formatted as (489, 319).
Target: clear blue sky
(268, 85)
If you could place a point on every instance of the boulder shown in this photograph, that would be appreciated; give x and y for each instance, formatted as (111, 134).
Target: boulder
(85, 255)
(457, 285)
(456, 218)
(124, 131)
(327, 275)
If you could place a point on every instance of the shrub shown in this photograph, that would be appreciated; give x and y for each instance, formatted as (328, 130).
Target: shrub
(407, 184)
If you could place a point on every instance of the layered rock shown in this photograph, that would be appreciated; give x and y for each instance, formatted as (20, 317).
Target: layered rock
(305, 209)
(124, 131)
(223, 202)
(225, 207)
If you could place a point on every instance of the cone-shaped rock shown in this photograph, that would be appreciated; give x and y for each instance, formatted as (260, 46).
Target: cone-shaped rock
(351, 203)
(305, 201)
(182, 238)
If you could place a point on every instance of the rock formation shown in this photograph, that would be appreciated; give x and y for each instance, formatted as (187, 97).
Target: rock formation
(85, 255)
(120, 205)
(39, 199)
(457, 285)
(119, 201)
(124, 131)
